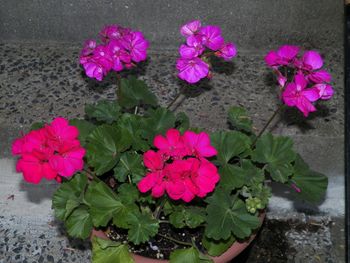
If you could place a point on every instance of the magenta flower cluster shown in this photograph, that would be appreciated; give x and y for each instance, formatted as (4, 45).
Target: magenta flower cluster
(201, 43)
(309, 82)
(121, 48)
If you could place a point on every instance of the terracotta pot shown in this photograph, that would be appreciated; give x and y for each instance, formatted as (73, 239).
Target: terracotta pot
(227, 256)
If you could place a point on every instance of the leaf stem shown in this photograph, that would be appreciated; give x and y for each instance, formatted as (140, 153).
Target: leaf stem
(268, 123)
(175, 240)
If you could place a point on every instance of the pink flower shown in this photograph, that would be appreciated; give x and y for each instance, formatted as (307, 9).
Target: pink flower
(180, 168)
(190, 28)
(153, 160)
(68, 159)
(113, 32)
(283, 57)
(212, 37)
(34, 167)
(227, 51)
(297, 95)
(199, 144)
(137, 45)
(171, 145)
(192, 70)
(153, 181)
(49, 152)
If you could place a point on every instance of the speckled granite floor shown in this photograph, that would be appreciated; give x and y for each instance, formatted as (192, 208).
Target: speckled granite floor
(39, 82)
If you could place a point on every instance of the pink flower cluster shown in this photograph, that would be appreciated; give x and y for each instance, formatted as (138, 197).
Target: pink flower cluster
(180, 167)
(201, 42)
(121, 48)
(310, 83)
(49, 152)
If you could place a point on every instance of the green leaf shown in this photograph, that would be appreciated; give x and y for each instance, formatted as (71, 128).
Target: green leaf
(142, 228)
(79, 223)
(133, 92)
(104, 146)
(104, 111)
(190, 216)
(217, 247)
(185, 255)
(158, 121)
(182, 122)
(70, 206)
(228, 215)
(107, 251)
(69, 191)
(130, 164)
(239, 119)
(37, 126)
(312, 185)
(277, 153)
(231, 177)
(84, 127)
(128, 193)
(230, 144)
(104, 204)
(132, 123)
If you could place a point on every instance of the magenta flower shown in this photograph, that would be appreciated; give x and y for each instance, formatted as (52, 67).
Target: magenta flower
(227, 51)
(325, 91)
(94, 69)
(190, 28)
(120, 49)
(212, 37)
(192, 70)
(118, 54)
(283, 57)
(297, 95)
(103, 56)
(88, 48)
(194, 63)
(137, 45)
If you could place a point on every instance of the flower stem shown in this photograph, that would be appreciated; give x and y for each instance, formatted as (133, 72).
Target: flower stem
(159, 209)
(175, 240)
(268, 123)
(177, 97)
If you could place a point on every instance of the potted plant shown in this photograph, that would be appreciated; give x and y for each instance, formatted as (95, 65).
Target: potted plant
(142, 183)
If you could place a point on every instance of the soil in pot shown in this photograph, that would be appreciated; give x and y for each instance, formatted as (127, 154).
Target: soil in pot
(160, 247)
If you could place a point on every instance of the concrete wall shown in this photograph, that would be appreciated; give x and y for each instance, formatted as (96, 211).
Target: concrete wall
(249, 23)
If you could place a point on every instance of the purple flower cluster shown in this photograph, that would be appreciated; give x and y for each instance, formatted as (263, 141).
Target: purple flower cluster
(201, 42)
(309, 82)
(121, 48)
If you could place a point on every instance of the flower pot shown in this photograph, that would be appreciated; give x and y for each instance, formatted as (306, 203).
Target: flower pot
(227, 256)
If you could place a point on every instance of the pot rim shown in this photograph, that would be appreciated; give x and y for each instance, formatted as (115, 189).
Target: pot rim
(236, 248)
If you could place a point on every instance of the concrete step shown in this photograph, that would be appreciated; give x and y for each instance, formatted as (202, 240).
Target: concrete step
(251, 24)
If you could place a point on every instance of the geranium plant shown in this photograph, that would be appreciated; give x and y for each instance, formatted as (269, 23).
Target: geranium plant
(143, 175)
